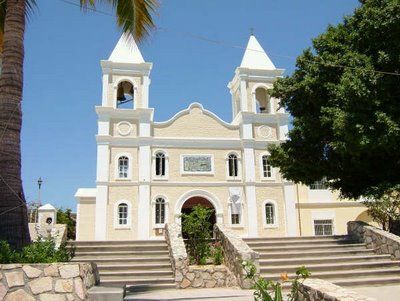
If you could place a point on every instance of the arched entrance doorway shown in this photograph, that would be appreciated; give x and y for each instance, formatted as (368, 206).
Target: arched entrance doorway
(188, 205)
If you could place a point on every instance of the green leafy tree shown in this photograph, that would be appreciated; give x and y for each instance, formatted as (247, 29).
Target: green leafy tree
(133, 16)
(344, 98)
(196, 227)
(386, 210)
(64, 216)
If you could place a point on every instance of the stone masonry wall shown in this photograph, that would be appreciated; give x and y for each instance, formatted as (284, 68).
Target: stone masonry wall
(236, 251)
(193, 276)
(381, 241)
(47, 282)
(321, 290)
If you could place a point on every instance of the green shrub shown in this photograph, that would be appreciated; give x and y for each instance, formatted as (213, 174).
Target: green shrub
(217, 253)
(267, 290)
(40, 251)
(196, 225)
(7, 255)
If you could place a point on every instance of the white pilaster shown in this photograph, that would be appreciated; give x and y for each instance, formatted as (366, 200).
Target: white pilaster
(271, 105)
(251, 210)
(103, 170)
(243, 96)
(250, 190)
(101, 213)
(104, 97)
(145, 92)
(144, 207)
(103, 162)
(290, 209)
(104, 126)
(283, 131)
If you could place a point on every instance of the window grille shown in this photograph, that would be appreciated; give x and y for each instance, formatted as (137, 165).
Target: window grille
(123, 166)
(160, 164)
(233, 165)
(269, 214)
(235, 219)
(123, 214)
(319, 185)
(323, 227)
(267, 168)
(160, 211)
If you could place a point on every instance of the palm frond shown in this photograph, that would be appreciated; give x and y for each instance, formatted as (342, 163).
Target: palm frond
(134, 17)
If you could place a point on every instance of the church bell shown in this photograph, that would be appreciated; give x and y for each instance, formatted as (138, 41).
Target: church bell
(120, 94)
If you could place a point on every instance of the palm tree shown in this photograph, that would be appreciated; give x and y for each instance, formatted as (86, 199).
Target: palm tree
(133, 17)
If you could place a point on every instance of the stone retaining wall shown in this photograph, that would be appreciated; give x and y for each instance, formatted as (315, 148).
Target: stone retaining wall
(47, 282)
(188, 276)
(321, 290)
(381, 241)
(236, 251)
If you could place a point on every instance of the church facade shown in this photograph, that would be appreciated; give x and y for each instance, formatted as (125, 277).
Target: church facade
(149, 173)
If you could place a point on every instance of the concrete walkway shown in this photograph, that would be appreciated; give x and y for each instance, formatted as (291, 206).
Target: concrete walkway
(216, 294)
(379, 292)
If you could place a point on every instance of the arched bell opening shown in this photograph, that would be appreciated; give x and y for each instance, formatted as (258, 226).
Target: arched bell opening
(125, 95)
(262, 101)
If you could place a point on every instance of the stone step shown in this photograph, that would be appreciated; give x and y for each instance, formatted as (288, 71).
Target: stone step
(133, 267)
(131, 283)
(378, 272)
(102, 293)
(305, 248)
(125, 260)
(300, 243)
(367, 281)
(111, 254)
(119, 248)
(122, 275)
(117, 242)
(291, 268)
(294, 238)
(296, 254)
(144, 288)
(306, 261)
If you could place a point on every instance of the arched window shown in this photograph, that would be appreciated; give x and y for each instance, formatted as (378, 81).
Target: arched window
(125, 95)
(233, 167)
(122, 214)
(266, 167)
(123, 167)
(160, 211)
(160, 164)
(269, 214)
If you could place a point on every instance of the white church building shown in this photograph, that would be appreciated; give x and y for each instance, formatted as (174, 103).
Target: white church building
(149, 172)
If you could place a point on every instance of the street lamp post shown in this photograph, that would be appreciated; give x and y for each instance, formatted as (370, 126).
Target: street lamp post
(40, 181)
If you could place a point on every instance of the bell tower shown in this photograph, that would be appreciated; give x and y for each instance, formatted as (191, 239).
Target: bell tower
(126, 77)
(125, 96)
(252, 80)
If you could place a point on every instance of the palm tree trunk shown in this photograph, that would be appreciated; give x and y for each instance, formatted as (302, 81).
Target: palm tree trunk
(13, 212)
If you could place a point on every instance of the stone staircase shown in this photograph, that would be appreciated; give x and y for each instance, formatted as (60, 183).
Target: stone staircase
(337, 259)
(138, 264)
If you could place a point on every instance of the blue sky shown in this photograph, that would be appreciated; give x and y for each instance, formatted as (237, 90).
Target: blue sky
(63, 75)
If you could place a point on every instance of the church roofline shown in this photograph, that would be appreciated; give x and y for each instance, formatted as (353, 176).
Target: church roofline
(187, 111)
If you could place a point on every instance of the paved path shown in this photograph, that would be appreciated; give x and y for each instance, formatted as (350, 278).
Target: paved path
(215, 294)
(381, 292)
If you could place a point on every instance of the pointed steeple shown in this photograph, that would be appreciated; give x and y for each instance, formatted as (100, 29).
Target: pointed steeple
(255, 56)
(126, 51)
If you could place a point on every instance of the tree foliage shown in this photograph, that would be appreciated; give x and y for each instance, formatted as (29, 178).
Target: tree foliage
(346, 116)
(386, 210)
(64, 216)
(196, 226)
